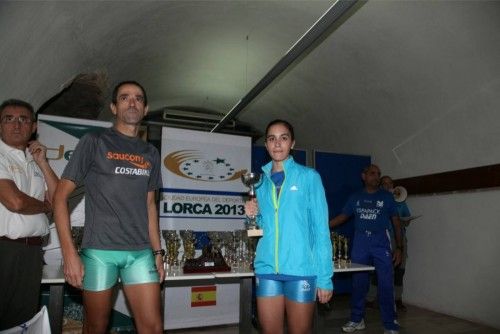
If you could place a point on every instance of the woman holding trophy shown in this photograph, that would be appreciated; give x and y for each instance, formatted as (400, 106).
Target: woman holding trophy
(293, 263)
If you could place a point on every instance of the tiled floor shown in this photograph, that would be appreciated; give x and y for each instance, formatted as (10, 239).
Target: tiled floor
(414, 321)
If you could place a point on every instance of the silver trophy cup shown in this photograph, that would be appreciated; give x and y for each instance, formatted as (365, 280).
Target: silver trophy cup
(252, 180)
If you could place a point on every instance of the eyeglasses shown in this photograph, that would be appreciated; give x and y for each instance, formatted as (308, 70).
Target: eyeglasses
(9, 119)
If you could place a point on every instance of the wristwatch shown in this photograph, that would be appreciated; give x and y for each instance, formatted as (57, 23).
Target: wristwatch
(159, 252)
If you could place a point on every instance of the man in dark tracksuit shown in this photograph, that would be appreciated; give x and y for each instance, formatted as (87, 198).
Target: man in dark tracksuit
(374, 209)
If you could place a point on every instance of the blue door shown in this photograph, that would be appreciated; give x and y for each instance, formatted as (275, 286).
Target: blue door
(341, 176)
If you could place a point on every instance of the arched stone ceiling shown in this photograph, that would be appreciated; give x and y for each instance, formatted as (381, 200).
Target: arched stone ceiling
(413, 83)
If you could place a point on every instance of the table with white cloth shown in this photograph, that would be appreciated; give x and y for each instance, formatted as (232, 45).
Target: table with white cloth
(54, 277)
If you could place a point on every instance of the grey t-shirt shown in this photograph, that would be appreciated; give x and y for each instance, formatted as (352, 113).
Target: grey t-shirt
(118, 171)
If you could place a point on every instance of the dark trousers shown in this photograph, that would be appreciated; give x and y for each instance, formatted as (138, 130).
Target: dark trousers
(373, 249)
(399, 273)
(20, 277)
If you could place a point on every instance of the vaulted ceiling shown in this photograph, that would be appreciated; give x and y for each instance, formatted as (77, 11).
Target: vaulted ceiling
(413, 83)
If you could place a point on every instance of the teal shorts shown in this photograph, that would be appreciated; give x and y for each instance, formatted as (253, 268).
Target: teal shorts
(296, 288)
(104, 267)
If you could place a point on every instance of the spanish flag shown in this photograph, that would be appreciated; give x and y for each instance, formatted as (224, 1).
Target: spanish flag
(203, 296)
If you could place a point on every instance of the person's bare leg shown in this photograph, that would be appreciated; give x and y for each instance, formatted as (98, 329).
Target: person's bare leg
(97, 309)
(271, 311)
(144, 301)
(299, 317)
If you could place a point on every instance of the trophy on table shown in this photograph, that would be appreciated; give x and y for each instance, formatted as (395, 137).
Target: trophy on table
(229, 248)
(251, 245)
(189, 244)
(251, 180)
(335, 240)
(339, 249)
(216, 240)
(211, 258)
(172, 243)
(347, 259)
(340, 245)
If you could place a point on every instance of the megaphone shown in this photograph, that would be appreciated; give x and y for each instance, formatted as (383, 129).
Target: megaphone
(400, 194)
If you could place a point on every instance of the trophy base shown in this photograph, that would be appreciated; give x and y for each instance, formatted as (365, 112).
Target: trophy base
(209, 261)
(205, 269)
(255, 233)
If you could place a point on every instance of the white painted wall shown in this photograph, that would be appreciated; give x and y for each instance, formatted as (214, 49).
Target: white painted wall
(453, 264)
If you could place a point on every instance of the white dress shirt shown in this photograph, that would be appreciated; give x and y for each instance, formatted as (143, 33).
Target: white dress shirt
(20, 167)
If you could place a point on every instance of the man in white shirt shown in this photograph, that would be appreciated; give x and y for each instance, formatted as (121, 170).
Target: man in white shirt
(27, 184)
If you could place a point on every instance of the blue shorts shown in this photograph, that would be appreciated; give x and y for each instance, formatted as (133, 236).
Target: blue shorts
(103, 267)
(296, 288)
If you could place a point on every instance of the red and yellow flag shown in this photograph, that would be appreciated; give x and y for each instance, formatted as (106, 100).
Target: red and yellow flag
(203, 295)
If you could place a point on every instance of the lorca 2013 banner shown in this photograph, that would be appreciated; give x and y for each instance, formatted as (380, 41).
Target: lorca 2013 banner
(201, 172)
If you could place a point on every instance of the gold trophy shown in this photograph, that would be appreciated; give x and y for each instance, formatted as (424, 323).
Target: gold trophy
(251, 180)
(335, 245)
(189, 244)
(347, 259)
(173, 243)
(340, 247)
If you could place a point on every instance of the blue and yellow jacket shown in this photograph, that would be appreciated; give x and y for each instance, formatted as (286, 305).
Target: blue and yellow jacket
(296, 237)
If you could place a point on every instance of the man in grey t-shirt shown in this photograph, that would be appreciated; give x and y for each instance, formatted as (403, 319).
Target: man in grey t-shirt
(121, 234)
